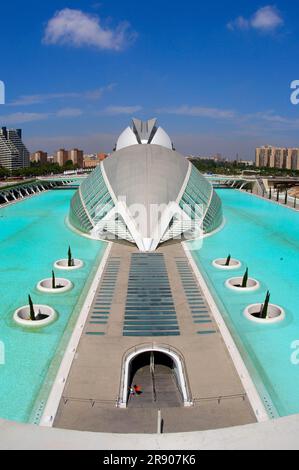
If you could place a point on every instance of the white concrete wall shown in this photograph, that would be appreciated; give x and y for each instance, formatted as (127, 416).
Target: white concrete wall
(271, 435)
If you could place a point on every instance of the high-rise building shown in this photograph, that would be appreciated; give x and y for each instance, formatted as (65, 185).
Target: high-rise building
(262, 156)
(76, 156)
(13, 153)
(62, 157)
(277, 157)
(39, 157)
(293, 159)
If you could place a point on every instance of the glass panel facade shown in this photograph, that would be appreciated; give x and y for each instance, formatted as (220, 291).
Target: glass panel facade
(91, 203)
(197, 197)
(78, 216)
(213, 218)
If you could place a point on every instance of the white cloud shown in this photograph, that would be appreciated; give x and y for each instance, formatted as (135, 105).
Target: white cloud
(69, 112)
(114, 110)
(78, 29)
(267, 119)
(266, 19)
(199, 111)
(275, 121)
(20, 118)
(92, 95)
(239, 23)
(28, 100)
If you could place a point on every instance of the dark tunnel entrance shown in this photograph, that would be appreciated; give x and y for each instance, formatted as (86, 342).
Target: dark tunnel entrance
(156, 375)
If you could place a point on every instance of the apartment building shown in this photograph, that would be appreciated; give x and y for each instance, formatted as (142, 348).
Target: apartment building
(76, 156)
(39, 157)
(62, 157)
(277, 157)
(13, 152)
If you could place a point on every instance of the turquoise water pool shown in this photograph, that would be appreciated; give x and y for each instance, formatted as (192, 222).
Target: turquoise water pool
(33, 234)
(265, 237)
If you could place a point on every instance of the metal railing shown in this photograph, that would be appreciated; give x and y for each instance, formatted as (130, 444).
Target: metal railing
(91, 401)
(22, 191)
(219, 399)
(280, 196)
(196, 401)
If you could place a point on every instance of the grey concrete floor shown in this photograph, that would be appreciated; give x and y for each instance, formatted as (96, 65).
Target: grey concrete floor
(93, 386)
(158, 392)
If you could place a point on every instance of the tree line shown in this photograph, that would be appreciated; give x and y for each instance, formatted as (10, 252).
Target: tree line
(36, 169)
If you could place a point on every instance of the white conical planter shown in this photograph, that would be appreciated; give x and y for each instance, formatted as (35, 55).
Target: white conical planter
(220, 264)
(63, 264)
(22, 316)
(235, 283)
(275, 314)
(46, 285)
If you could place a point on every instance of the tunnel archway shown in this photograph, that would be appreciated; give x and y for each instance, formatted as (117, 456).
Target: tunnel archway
(161, 374)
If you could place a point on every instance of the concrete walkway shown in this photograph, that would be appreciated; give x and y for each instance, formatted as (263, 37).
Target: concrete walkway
(93, 386)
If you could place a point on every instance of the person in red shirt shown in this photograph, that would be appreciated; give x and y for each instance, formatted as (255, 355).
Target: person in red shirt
(137, 389)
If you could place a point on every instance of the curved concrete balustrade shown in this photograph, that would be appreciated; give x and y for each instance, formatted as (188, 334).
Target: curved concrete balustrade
(22, 316)
(63, 264)
(62, 285)
(275, 314)
(235, 283)
(220, 264)
(278, 434)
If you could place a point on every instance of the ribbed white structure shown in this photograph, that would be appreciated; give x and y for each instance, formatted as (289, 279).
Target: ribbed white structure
(143, 132)
(145, 194)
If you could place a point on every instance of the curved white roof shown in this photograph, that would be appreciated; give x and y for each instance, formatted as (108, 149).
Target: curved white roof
(161, 138)
(143, 132)
(126, 138)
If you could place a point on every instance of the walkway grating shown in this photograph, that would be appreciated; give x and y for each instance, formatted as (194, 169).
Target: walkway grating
(100, 309)
(196, 301)
(149, 309)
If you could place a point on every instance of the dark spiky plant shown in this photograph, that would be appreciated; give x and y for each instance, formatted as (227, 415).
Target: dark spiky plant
(31, 309)
(70, 258)
(245, 279)
(265, 305)
(53, 280)
(228, 260)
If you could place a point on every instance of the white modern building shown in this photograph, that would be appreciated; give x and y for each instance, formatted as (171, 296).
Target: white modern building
(146, 193)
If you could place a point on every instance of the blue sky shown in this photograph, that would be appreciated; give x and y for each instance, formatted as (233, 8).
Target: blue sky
(216, 74)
